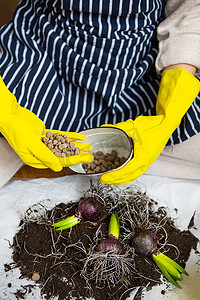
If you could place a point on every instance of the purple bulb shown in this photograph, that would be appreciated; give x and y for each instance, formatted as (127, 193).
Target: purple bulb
(90, 209)
(145, 243)
(111, 244)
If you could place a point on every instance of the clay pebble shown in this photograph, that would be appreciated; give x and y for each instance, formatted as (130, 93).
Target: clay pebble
(60, 144)
(103, 162)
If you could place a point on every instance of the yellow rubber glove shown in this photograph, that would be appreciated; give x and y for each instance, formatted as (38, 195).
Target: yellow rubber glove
(23, 131)
(178, 89)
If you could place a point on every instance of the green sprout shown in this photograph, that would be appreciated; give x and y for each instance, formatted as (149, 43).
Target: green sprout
(114, 225)
(145, 243)
(112, 243)
(170, 269)
(67, 223)
(89, 209)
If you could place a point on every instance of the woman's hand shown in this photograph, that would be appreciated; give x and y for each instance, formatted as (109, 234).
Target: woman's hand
(177, 91)
(23, 131)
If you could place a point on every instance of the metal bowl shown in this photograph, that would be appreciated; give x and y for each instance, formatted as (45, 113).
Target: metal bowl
(106, 139)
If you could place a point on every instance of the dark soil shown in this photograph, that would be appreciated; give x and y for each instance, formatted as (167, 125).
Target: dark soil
(59, 256)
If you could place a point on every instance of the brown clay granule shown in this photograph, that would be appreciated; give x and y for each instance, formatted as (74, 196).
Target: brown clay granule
(59, 144)
(103, 162)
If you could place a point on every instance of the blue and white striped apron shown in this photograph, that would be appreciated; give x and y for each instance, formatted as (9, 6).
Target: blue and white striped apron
(82, 63)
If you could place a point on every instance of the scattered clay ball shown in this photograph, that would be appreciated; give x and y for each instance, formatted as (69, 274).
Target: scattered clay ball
(60, 145)
(103, 162)
(35, 276)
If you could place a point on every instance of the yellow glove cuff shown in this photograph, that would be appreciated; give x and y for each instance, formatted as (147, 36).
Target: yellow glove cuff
(178, 89)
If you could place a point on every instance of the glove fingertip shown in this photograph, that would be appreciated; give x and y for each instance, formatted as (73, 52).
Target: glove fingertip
(84, 146)
(76, 159)
(105, 178)
(107, 125)
(56, 167)
(91, 158)
(88, 157)
(83, 137)
(77, 136)
(89, 148)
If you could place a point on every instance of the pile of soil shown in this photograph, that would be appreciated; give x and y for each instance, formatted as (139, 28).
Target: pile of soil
(55, 259)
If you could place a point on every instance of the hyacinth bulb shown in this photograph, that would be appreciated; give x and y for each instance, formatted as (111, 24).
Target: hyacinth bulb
(145, 243)
(112, 243)
(89, 209)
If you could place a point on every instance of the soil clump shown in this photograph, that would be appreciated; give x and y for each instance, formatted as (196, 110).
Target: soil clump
(55, 259)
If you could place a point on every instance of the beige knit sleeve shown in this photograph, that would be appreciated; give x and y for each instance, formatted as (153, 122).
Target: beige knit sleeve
(179, 34)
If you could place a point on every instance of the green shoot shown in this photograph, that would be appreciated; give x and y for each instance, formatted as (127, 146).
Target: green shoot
(173, 263)
(114, 225)
(169, 268)
(67, 223)
(165, 272)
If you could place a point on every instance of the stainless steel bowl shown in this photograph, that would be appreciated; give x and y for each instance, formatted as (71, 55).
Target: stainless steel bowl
(106, 139)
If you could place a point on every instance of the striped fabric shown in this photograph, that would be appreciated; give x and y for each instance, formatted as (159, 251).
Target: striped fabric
(82, 63)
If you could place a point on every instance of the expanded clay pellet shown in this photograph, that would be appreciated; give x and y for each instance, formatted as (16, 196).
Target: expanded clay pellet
(60, 144)
(103, 162)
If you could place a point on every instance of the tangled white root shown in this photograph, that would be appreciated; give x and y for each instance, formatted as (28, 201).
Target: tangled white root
(107, 268)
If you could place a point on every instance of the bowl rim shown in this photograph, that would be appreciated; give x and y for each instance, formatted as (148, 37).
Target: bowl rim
(127, 159)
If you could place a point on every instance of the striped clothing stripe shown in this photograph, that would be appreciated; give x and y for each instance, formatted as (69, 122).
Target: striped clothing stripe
(80, 64)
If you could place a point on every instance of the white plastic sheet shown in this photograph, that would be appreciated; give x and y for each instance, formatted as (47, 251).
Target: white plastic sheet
(182, 197)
